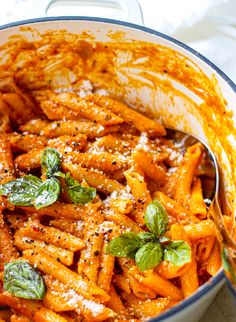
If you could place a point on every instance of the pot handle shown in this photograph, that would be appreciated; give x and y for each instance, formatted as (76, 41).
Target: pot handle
(126, 10)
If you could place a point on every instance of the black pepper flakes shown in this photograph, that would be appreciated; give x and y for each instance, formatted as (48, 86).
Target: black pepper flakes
(96, 253)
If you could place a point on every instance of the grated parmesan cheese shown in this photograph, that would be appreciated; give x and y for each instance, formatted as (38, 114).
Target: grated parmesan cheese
(85, 88)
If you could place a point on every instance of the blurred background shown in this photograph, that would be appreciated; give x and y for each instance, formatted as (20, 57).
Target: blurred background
(209, 26)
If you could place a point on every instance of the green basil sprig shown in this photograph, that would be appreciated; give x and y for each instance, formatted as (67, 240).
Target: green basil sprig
(125, 245)
(177, 252)
(78, 193)
(32, 191)
(23, 280)
(156, 218)
(50, 161)
(149, 255)
(22, 191)
(48, 193)
(149, 249)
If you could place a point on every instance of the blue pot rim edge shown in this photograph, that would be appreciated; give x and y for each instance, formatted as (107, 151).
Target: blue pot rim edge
(204, 289)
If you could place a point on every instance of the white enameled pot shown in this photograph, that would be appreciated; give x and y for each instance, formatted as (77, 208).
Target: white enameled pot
(191, 309)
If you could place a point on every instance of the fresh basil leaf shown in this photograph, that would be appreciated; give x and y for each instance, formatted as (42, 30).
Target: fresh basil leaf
(50, 161)
(78, 193)
(7, 188)
(26, 182)
(34, 181)
(22, 191)
(81, 195)
(178, 253)
(59, 174)
(22, 280)
(70, 181)
(125, 245)
(156, 218)
(149, 256)
(146, 237)
(21, 199)
(48, 193)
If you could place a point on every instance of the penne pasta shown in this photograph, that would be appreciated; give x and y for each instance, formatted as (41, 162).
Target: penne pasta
(149, 164)
(19, 318)
(60, 254)
(106, 269)
(29, 161)
(103, 161)
(5, 314)
(176, 212)
(15, 220)
(140, 290)
(116, 304)
(148, 308)
(95, 179)
(186, 172)
(122, 283)
(189, 278)
(7, 248)
(7, 167)
(102, 217)
(89, 261)
(61, 210)
(114, 143)
(202, 229)
(60, 299)
(71, 107)
(140, 192)
(123, 220)
(52, 235)
(66, 143)
(203, 248)
(33, 126)
(214, 261)
(26, 143)
(58, 271)
(31, 309)
(197, 205)
(32, 159)
(158, 284)
(121, 204)
(91, 129)
(5, 125)
(72, 227)
(168, 270)
(141, 122)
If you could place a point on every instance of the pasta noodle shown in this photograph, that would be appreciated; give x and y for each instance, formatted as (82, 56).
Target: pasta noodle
(110, 176)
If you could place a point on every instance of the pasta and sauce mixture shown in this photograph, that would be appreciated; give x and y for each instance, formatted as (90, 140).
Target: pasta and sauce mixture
(103, 216)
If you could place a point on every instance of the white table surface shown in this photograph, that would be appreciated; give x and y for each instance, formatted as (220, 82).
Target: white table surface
(222, 309)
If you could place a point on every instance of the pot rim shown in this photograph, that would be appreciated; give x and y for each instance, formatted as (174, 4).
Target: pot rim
(209, 285)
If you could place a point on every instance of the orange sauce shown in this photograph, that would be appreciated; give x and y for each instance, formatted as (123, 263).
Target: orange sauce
(128, 70)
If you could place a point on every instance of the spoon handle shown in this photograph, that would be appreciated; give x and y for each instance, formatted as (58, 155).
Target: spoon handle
(228, 245)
